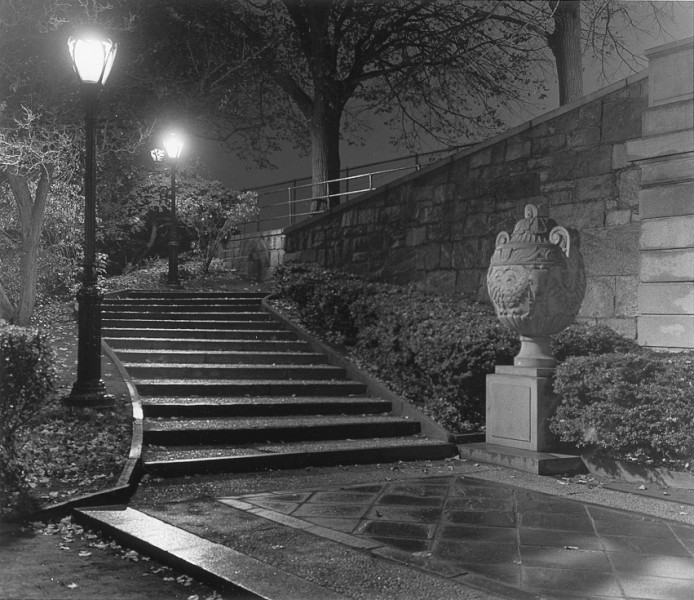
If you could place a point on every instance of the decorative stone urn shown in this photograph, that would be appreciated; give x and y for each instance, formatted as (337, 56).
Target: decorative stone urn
(536, 281)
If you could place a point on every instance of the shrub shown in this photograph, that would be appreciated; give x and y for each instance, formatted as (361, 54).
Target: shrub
(27, 382)
(434, 349)
(323, 297)
(584, 340)
(639, 404)
(437, 349)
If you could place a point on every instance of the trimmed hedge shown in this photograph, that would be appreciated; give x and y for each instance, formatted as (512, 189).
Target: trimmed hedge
(436, 350)
(639, 404)
(27, 382)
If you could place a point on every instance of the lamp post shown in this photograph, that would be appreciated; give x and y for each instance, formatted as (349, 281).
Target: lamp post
(92, 60)
(173, 144)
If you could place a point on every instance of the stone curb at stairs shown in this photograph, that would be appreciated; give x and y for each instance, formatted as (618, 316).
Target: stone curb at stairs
(130, 476)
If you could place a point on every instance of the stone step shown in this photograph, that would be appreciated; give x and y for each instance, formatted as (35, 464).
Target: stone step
(235, 387)
(170, 356)
(245, 430)
(186, 295)
(181, 303)
(233, 372)
(232, 325)
(235, 316)
(263, 406)
(204, 333)
(208, 345)
(184, 460)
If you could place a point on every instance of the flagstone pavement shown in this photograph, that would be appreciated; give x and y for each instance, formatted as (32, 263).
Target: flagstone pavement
(458, 525)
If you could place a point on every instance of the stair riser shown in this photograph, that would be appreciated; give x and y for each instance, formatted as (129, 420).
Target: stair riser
(145, 324)
(207, 345)
(251, 389)
(280, 434)
(266, 410)
(299, 460)
(298, 372)
(242, 358)
(216, 334)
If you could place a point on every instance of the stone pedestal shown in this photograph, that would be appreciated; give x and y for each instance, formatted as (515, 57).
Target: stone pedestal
(519, 404)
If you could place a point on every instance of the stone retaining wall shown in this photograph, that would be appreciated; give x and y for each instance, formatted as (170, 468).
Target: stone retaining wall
(254, 254)
(437, 227)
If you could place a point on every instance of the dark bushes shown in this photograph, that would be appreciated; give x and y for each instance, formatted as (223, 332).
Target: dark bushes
(435, 350)
(27, 382)
(628, 404)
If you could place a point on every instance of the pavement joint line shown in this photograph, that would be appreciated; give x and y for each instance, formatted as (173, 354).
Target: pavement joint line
(198, 556)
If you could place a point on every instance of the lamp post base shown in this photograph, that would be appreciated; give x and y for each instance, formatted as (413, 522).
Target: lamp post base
(91, 394)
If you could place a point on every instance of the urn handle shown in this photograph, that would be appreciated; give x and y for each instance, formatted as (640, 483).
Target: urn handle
(502, 238)
(562, 238)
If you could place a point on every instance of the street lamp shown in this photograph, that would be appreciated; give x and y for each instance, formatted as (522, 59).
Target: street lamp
(92, 59)
(173, 144)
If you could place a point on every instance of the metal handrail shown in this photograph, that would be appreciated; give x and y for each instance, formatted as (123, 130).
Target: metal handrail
(320, 203)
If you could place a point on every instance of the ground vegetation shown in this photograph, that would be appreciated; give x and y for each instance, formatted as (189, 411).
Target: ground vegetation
(615, 397)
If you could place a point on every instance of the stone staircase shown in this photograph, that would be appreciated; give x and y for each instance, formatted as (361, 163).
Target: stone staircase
(226, 386)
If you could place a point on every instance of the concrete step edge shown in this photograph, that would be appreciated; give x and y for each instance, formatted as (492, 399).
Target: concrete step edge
(186, 552)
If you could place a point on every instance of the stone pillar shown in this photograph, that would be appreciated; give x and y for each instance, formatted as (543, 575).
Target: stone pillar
(666, 200)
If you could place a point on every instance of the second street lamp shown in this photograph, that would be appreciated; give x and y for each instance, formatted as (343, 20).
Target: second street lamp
(92, 60)
(173, 144)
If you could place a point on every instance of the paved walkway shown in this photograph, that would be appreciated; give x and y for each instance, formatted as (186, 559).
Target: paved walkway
(456, 525)
(436, 537)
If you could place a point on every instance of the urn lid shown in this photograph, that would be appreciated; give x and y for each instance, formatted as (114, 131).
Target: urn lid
(533, 229)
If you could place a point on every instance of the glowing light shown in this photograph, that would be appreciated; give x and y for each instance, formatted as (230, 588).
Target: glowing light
(92, 58)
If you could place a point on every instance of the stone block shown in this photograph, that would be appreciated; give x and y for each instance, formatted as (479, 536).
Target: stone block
(666, 298)
(668, 118)
(620, 160)
(498, 152)
(587, 136)
(618, 217)
(666, 144)
(611, 251)
(667, 200)
(599, 301)
(440, 280)
(581, 162)
(481, 158)
(667, 265)
(628, 187)
(416, 236)
(667, 170)
(670, 69)
(666, 331)
(625, 299)
(590, 114)
(671, 232)
(592, 188)
(516, 149)
(579, 216)
(548, 143)
(621, 119)
(625, 327)
(427, 257)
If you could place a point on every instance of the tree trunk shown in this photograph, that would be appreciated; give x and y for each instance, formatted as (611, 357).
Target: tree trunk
(31, 213)
(325, 156)
(565, 44)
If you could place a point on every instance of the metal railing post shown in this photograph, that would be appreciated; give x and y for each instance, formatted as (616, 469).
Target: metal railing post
(292, 203)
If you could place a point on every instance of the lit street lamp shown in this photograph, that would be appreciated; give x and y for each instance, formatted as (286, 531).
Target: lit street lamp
(92, 60)
(173, 144)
